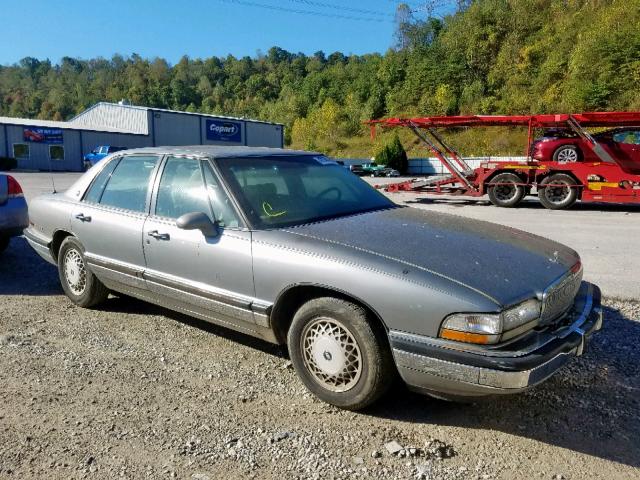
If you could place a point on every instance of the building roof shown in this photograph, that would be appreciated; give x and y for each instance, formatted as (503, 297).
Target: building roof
(222, 151)
(113, 118)
(34, 122)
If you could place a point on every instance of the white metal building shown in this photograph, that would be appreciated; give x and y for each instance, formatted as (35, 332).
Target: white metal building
(44, 145)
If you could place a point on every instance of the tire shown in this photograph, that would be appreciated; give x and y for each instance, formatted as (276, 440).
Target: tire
(558, 198)
(567, 154)
(81, 286)
(4, 243)
(339, 353)
(506, 196)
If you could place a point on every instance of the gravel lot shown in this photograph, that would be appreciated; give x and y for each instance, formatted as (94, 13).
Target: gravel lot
(130, 390)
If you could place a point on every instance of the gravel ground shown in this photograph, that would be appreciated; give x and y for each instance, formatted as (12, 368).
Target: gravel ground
(130, 390)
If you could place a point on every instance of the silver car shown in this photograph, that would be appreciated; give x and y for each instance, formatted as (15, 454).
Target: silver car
(14, 215)
(290, 247)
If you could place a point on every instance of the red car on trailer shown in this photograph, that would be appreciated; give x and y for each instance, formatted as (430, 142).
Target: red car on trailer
(607, 168)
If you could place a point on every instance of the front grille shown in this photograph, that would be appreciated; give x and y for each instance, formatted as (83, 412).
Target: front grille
(559, 297)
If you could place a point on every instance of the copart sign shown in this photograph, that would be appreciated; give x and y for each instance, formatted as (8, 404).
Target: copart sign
(224, 131)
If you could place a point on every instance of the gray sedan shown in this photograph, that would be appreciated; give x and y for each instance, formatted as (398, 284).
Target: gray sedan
(14, 216)
(290, 247)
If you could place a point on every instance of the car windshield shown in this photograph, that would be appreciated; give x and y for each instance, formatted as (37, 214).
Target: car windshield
(278, 191)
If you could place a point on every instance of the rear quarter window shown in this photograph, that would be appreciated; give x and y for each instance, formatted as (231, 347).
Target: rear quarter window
(128, 185)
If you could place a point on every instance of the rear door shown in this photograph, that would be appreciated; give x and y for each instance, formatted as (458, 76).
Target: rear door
(212, 276)
(109, 219)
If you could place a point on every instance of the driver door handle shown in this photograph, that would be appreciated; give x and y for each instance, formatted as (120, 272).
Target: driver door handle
(83, 218)
(159, 236)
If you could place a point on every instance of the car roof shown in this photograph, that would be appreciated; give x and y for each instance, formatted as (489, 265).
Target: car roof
(218, 151)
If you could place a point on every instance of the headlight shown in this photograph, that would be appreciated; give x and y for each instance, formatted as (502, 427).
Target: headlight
(520, 314)
(489, 328)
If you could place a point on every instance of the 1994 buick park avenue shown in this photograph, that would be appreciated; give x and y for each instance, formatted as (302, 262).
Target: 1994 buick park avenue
(293, 248)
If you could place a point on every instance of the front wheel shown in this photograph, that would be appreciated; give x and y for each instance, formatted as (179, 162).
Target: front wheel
(339, 353)
(507, 190)
(79, 284)
(558, 191)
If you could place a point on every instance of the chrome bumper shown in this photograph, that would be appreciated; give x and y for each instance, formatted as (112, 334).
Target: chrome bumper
(454, 368)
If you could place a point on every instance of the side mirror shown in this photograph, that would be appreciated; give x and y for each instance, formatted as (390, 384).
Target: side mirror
(198, 221)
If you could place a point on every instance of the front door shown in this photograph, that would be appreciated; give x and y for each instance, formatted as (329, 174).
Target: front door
(109, 220)
(626, 150)
(212, 276)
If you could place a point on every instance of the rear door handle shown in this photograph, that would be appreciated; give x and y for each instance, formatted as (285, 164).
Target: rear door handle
(83, 218)
(159, 236)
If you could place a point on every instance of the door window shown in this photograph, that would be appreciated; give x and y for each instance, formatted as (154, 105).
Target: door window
(181, 189)
(220, 201)
(128, 185)
(629, 137)
(97, 186)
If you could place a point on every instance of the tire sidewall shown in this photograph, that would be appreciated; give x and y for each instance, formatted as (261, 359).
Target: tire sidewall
(365, 337)
(558, 178)
(87, 295)
(517, 198)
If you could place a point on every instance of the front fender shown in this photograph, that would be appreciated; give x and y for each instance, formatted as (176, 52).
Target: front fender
(405, 300)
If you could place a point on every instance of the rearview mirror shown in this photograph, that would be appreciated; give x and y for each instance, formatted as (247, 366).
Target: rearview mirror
(198, 221)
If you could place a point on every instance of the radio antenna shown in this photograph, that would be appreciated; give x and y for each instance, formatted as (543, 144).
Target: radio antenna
(53, 184)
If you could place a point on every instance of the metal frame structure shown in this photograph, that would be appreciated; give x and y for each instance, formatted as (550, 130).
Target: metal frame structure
(604, 181)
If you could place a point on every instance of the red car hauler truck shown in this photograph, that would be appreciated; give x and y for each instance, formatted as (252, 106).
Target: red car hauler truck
(565, 165)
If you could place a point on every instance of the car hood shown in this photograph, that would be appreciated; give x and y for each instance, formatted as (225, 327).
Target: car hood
(503, 263)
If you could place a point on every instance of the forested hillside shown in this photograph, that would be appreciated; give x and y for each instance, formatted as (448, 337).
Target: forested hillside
(492, 56)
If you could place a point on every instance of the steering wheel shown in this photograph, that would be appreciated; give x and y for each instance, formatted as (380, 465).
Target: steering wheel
(328, 190)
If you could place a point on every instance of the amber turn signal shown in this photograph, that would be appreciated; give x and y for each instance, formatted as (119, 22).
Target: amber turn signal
(466, 336)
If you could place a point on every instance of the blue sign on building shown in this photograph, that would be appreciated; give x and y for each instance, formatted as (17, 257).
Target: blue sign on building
(52, 136)
(224, 131)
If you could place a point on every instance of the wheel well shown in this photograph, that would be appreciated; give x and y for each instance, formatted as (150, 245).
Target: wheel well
(499, 172)
(569, 173)
(289, 301)
(58, 237)
(572, 145)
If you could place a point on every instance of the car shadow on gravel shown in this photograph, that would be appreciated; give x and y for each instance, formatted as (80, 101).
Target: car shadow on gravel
(124, 304)
(591, 406)
(24, 272)
(529, 204)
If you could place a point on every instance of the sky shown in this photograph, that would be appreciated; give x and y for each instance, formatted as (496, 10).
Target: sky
(197, 28)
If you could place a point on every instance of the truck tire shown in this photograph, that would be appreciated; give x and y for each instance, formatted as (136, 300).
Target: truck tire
(79, 284)
(563, 195)
(339, 353)
(567, 154)
(508, 195)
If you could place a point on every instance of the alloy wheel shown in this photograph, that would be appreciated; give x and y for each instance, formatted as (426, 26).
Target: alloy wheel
(568, 155)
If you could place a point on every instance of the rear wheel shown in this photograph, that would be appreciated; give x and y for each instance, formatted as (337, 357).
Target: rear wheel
(566, 154)
(339, 353)
(558, 191)
(81, 286)
(507, 193)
